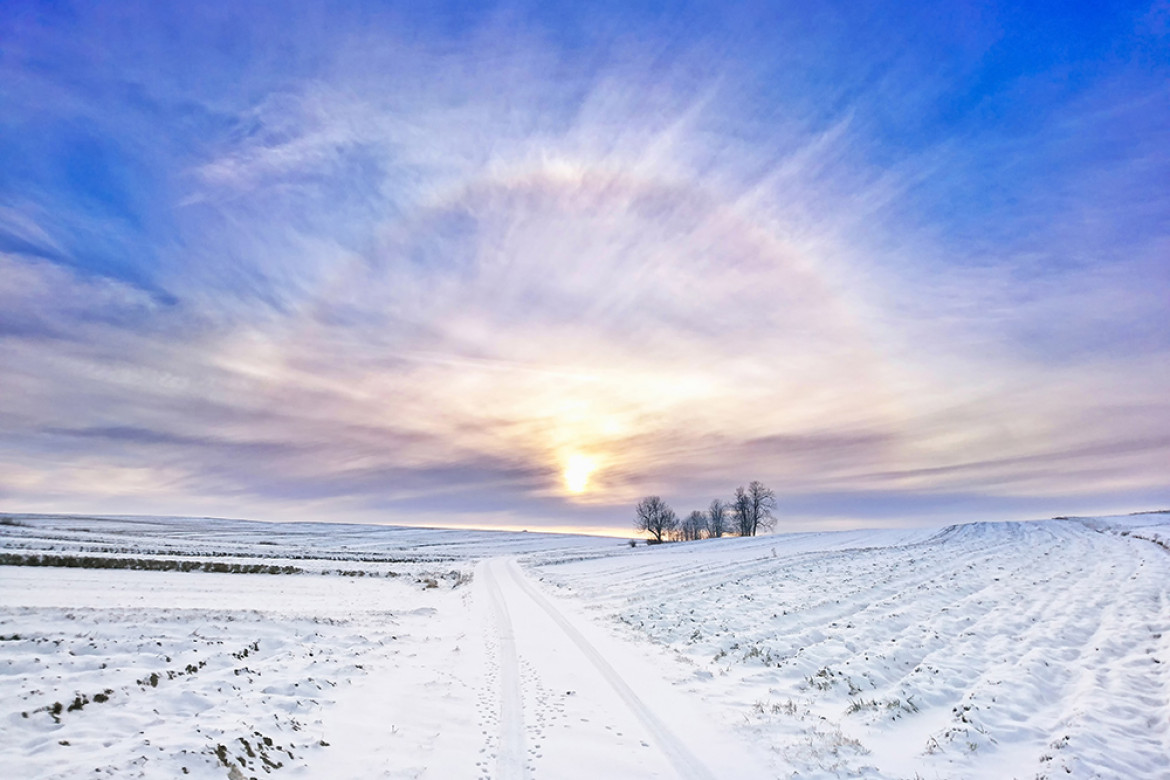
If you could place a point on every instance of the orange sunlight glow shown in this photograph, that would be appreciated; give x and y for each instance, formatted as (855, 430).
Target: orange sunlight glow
(578, 470)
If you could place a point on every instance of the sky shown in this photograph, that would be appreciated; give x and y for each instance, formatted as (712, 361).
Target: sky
(518, 265)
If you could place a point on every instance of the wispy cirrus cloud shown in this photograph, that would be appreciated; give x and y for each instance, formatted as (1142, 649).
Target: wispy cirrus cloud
(399, 271)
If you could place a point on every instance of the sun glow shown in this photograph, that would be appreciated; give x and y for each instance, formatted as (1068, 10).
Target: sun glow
(578, 470)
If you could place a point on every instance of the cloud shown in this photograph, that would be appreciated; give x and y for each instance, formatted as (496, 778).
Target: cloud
(418, 272)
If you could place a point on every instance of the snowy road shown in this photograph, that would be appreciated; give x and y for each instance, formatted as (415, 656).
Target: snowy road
(587, 705)
(510, 762)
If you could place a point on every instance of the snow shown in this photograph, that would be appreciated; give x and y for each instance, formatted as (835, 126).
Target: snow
(988, 650)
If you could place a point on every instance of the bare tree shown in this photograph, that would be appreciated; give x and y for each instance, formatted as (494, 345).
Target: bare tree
(653, 516)
(763, 502)
(741, 512)
(694, 526)
(716, 519)
(753, 508)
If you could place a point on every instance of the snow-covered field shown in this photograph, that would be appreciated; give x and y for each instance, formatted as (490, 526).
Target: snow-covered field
(165, 648)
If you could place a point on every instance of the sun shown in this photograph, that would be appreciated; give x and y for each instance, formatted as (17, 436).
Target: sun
(578, 469)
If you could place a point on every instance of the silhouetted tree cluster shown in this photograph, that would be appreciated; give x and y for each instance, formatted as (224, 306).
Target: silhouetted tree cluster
(752, 509)
(654, 517)
(716, 519)
(746, 515)
(694, 527)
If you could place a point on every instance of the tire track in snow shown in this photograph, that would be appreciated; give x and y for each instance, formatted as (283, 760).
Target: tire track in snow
(510, 760)
(683, 761)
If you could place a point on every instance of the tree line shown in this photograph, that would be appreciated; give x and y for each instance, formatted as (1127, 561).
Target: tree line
(745, 515)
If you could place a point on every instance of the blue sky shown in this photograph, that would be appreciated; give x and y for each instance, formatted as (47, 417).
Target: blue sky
(518, 265)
